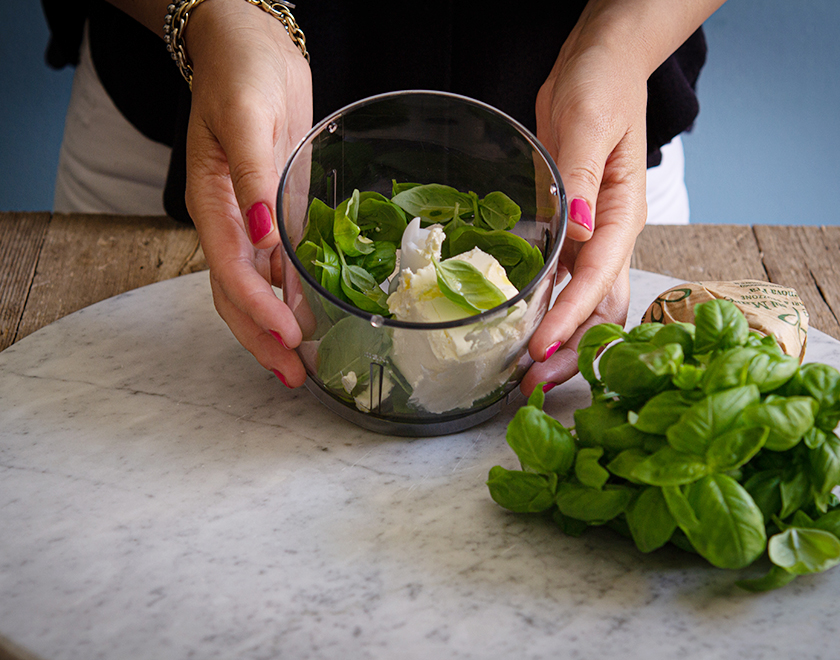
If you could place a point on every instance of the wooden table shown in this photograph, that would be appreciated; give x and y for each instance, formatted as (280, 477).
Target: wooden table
(52, 265)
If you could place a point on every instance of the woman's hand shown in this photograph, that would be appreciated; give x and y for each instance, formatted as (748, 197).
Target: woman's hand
(591, 118)
(251, 105)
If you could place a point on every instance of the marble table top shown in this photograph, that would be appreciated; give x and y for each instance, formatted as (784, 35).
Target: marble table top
(162, 496)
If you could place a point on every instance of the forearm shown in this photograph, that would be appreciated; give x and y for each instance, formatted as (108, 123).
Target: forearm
(644, 33)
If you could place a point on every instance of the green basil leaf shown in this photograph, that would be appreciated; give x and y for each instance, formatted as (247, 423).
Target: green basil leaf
(669, 467)
(380, 263)
(776, 578)
(644, 333)
(664, 360)
(362, 290)
(803, 551)
(592, 505)
(592, 422)
(649, 519)
(330, 266)
(795, 489)
(770, 369)
(787, 418)
(466, 286)
(588, 470)
(710, 417)
(498, 211)
(319, 223)
(569, 526)
(688, 377)
(764, 488)
(728, 369)
(433, 201)
(308, 253)
(825, 464)
(541, 443)
(521, 492)
(829, 522)
(676, 333)
(822, 382)
(625, 436)
(625, 463)
(732, 449)
(379, 219)
(718, 325)
(720, 519)
(624, 369)
(346, 232)
(397, 188)
(590, 345)
(662, 411)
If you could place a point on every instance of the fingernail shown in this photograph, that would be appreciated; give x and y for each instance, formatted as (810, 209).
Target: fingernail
(259, 222)
(277, 336)
(548, 387)
(280, 376)
(551, 350)
(580, 214)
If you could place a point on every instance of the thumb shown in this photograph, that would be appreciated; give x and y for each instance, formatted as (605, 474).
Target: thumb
(254, 177)
(581, 170)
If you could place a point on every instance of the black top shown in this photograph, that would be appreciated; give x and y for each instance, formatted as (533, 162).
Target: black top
(358, 50)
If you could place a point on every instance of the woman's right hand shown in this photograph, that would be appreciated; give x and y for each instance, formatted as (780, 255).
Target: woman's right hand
(251, 105)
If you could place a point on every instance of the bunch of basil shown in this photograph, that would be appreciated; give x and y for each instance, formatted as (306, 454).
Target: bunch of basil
(351, 250)
(703, 435)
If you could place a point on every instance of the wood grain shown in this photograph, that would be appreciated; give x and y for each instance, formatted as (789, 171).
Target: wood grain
(21, 238)
(807, 259)
(697, 253)
(88, 258)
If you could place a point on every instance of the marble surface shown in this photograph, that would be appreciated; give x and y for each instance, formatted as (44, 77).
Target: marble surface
(162, 496)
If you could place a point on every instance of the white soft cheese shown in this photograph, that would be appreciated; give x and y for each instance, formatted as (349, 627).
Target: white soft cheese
(451, 369)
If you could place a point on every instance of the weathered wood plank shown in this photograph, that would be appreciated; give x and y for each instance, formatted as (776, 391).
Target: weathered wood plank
(698, 253)
(21, 238)
(808, 259)
(88, 258)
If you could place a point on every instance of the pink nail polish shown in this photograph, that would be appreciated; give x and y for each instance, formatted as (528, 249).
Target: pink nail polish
(551, 350)
(280, 376)
(259, 222)
(277, 336)
(548, 387)
(580, 214)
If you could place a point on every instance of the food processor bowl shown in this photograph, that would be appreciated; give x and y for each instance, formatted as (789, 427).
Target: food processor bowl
(407, 378)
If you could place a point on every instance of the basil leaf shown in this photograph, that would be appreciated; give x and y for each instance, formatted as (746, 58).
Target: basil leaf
(380, 263)
(591, 343)
(669, 467)
(592, 505)
(330, 266)
(822, 382)
(777, 577)
(764, 488)
(644, 333)
(521, 492)
(625, 463)
(733, 449)
(520, 259)
(720, 520)
(466, 286)
(710, 417)
(591, 423)
(795, 490)
(787, 418)
(379, 219)
(309, 253)
(824, 461)
(362, 290)
(829, 522)
(624, 369)
(649, 519)
(397, 188)
(346, 232)
(662, 411)
(541, 443)
(588, 470)
(719, 325)
(319, 219)
(625, 436)
(498, 211)
(803, 551)
(676, 333)
(433, 201)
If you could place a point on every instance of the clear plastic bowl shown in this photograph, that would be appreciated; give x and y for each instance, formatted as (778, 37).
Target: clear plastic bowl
(418, 379)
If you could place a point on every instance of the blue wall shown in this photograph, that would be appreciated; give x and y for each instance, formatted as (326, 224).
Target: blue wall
(765, 149)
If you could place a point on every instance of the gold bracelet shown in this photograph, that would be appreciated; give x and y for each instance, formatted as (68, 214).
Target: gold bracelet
(178, 13)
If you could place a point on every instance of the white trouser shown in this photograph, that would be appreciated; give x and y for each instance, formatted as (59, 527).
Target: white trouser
(105, 164)
(108, 166)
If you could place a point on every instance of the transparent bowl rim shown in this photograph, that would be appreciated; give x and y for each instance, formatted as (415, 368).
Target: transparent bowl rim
(380, 321)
